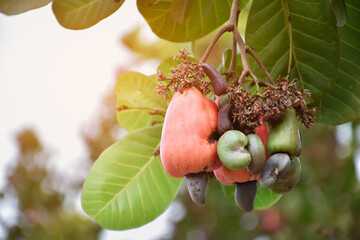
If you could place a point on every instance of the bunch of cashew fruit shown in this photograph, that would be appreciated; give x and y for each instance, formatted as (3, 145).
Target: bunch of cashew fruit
(200, 136)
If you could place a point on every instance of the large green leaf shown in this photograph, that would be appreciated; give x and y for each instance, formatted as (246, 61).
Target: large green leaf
(138, 93)
(342, 103)
(264, 198)
(203, 17)
(81, 14)
(11, 7)
(305, 30)
(127, 185)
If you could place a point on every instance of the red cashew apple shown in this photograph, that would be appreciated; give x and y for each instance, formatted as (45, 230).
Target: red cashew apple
(231, 177)
(187, 144)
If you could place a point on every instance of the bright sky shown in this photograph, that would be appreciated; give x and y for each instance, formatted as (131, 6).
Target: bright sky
(52, 79)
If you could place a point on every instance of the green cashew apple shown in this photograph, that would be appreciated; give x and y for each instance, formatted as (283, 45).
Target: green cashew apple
(231, 150)
(298, 153)
(290, 179)
(283, 137)
(257, 151)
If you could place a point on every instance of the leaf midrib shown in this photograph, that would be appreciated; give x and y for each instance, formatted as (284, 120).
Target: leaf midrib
(128, 184)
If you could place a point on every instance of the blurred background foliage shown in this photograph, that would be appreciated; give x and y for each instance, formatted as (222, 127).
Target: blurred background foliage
(325, 204)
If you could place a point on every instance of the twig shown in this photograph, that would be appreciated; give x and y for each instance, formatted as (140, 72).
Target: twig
(234, 12)
(261, 65)
(224, 29)
(231, 26)
(243, 75)
(242, 47)
(233, 58)
(234, 49)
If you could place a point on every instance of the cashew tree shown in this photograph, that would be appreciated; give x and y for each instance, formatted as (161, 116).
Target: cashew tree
(296, 64)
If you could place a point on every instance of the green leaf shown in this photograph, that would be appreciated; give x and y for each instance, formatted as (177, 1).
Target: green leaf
(180, 10)
(171, 62)
(342, 103)
(339, 8)
(81, 14)
(226, 61)
(138, 93)
(304, 31)
(12, 7)
(264, 198)
(132, 119)
(127, 185)
(204, 16)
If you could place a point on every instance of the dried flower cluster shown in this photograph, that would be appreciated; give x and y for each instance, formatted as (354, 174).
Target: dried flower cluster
(187, 74)
(286, 95)
(246, 111)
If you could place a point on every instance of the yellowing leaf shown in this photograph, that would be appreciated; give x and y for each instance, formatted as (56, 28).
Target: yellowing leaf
(138, 93)
(12, 7)
(81, 14)
(180, 10)
(204, 16)
(139, 90)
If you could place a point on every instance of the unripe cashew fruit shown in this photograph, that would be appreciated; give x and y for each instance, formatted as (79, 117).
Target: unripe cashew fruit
(283, 137)
(257, 151)
(231, 150)
(245, 195)
(217, 81)
(224, 123)
(276, 166)
(299, 144)
(289, 179)
(231, 177)
(186, 143)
